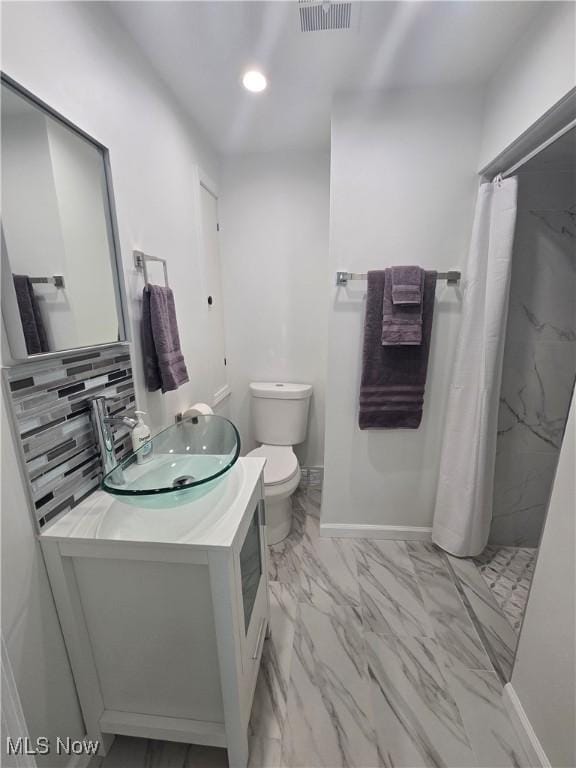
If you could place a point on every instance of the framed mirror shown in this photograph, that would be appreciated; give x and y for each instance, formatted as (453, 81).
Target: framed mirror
(60, 256)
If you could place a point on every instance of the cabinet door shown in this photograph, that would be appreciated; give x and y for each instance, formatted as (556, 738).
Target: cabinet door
(251, 566)
(253, 585)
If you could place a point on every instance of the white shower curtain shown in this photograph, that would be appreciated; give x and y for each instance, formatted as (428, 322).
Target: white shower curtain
(463, 510)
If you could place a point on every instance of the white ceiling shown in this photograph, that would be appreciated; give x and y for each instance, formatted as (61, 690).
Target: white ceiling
(201, 49)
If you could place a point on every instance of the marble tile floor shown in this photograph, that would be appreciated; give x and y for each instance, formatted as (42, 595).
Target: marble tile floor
(372, 661)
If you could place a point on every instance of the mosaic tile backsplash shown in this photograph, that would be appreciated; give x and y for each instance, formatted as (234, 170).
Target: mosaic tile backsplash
(51, 408)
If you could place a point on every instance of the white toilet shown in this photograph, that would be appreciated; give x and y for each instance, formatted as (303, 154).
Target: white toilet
(280, 420)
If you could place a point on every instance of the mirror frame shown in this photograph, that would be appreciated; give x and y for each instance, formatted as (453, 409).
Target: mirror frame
(8, 338)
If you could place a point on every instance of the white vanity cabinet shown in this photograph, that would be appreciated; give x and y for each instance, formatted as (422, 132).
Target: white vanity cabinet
(165, 611)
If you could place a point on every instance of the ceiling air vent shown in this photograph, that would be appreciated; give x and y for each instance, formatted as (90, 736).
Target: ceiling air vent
(317, 17)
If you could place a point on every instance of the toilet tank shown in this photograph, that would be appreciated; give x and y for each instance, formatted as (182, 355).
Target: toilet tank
(280, 412)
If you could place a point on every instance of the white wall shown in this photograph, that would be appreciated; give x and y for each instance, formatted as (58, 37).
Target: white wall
(538, 72)
(545, 667)
(77, 60)
(403, 187)
(274, 214)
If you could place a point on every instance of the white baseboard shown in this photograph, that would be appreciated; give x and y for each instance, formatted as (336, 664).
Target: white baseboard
(523, 728)
(405, 532)
(221, 395)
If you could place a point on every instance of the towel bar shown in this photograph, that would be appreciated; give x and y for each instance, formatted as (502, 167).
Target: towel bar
(55, 280)
(452, 277)
(140, 260)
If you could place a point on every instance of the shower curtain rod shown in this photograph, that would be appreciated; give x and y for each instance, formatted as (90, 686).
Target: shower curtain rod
(534, 152)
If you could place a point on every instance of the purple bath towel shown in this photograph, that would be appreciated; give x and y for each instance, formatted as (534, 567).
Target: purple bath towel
(393, 377)
(30, 315)
(402, 320)
(164, 365)
(407, 285)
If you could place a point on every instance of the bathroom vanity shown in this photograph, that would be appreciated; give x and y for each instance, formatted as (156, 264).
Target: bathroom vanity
(165, 610)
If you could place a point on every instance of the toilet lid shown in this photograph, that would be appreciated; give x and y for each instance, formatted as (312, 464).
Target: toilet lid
(281, 463)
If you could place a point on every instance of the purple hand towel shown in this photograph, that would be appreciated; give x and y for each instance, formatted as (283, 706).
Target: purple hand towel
(401, 323)
(164, 365)
(32, 323)
(393, 377)
(407, 285)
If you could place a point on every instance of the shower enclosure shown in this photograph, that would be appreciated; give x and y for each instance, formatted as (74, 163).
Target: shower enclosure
(539, 370)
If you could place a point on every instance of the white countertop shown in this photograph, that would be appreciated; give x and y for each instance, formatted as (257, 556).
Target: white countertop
(209, 520)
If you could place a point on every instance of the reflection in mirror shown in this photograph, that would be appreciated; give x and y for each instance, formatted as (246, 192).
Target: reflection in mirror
(58, 257)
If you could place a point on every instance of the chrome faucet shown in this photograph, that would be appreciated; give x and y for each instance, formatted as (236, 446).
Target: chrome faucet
(102, 423)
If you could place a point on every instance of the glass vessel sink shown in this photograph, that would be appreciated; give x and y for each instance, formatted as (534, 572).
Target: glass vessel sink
(184, 461)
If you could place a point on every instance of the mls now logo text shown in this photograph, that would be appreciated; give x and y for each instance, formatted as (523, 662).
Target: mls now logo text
(43, 746)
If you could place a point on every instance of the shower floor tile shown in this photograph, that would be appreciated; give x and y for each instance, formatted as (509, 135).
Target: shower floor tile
(373, 661)
(508, 571)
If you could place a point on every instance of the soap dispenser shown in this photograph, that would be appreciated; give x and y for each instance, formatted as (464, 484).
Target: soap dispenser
(140, 438)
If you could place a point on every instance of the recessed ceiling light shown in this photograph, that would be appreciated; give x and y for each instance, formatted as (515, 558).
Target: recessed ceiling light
(254, 81)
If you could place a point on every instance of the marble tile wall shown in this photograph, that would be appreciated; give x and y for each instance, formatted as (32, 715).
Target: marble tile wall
(539, 357)
(51, 414)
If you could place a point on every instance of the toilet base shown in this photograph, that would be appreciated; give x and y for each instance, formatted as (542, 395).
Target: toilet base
(278, 519)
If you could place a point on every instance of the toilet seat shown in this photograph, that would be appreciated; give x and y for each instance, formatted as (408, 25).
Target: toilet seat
(281, 463)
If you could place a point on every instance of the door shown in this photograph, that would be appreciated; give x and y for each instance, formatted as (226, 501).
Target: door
(216, 352)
